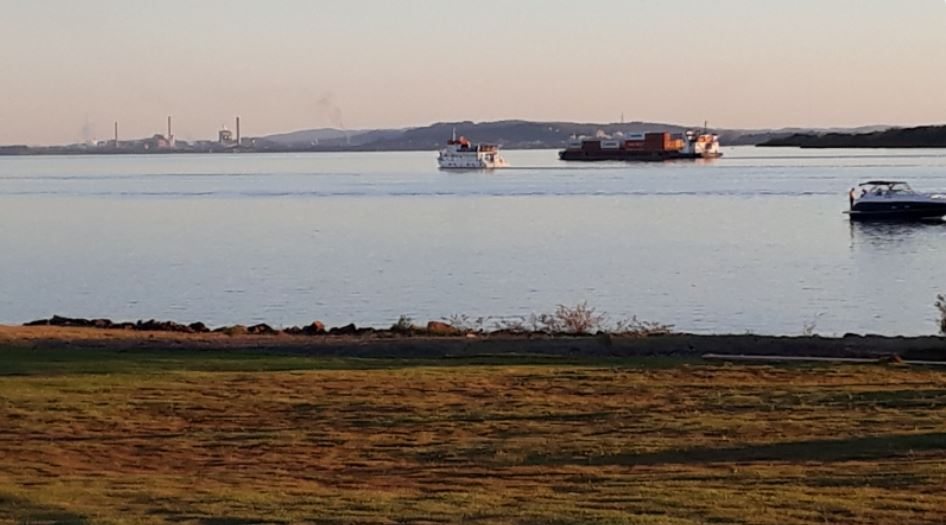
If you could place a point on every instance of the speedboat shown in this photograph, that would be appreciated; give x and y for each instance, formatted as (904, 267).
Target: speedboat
(894, 200)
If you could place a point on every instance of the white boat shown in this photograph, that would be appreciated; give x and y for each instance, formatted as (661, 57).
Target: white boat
(461, 154)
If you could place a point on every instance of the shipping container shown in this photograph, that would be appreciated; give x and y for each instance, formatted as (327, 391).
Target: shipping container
(657, 141)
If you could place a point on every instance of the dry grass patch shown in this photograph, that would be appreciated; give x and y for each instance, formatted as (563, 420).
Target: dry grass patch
(497, 443)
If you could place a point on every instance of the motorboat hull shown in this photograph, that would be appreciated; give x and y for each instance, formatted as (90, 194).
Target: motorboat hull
(897, 211)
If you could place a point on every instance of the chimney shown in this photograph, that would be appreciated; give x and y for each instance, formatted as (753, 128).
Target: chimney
(116, 133)
(238, 131)
(169, 128)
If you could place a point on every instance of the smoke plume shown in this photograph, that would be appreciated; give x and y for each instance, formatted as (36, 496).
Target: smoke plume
(88, 131)
(331, 110)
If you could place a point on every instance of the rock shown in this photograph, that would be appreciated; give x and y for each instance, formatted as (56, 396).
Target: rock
(261, 329)
(199, 327)
(162, 326)
(316, 328)
(66, 321)
(59, 321)
(349, 329)
(150, 325)
(236, 329)
(440, 329)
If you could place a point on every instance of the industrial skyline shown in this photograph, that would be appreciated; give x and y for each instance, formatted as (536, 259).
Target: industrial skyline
(224, 135)
(226, 138)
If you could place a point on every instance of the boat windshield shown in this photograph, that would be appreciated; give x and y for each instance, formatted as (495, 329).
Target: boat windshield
(885, 188)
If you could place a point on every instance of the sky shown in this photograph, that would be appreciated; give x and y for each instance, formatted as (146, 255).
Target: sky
(72, 68)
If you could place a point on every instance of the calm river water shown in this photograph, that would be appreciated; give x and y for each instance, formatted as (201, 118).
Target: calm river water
(752, 242)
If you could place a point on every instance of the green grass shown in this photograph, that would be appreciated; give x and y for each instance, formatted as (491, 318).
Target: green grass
(193, 437)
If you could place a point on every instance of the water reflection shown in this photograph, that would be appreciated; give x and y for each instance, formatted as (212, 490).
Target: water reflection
(904, 235)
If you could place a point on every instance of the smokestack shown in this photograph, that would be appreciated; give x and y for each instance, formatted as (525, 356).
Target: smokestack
(238, 131)
(116, 133)
(170, 137)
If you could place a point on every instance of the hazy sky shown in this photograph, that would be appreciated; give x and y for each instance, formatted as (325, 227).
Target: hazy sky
(72, 67)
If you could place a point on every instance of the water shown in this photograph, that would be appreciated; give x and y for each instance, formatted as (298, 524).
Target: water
(753, 242)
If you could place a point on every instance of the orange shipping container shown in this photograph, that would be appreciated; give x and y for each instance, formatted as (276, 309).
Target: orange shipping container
(657, 141)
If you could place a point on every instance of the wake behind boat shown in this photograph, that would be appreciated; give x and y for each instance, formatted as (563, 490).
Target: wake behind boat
(894, 200)
(461, 154)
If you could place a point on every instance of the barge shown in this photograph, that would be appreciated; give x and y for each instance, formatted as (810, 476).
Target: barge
(645, 147)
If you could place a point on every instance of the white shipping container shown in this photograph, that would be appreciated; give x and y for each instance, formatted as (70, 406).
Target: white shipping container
(610, 144)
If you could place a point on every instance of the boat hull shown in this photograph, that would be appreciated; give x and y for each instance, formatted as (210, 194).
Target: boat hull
(472, 165)
(631, 156)
(871, 211)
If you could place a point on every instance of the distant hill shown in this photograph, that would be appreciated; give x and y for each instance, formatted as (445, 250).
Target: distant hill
(750, 137)
(918, 137)
(331, 137)
(511, 134)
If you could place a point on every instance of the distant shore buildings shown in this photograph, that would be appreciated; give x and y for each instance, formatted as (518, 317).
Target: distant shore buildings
(158, 143)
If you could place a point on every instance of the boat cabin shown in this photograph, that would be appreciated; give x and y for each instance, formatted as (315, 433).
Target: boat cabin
(883, 188)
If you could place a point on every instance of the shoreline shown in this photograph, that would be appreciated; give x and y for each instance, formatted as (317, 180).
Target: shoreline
(406, 345)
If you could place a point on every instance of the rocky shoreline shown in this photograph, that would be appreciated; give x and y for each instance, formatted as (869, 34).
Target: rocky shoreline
(438, 340)
(432, 328)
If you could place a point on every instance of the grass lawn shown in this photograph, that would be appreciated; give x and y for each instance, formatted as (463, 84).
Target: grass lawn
(214, 438)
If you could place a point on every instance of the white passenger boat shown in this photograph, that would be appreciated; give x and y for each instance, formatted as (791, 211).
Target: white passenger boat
(461, 154)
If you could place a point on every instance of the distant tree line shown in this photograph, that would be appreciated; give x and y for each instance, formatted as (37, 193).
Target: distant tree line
(919, 137)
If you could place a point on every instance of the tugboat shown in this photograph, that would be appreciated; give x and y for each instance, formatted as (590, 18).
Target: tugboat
(894, 200)
(461, 154)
